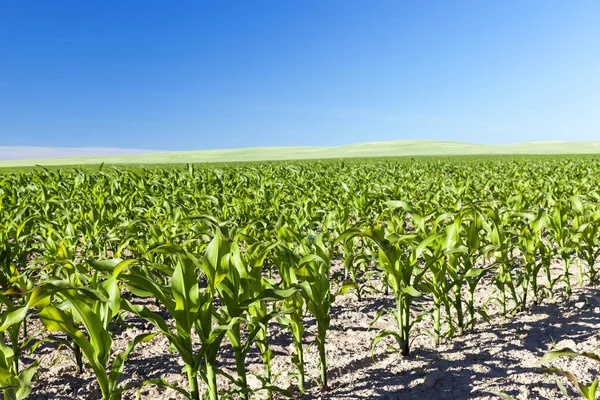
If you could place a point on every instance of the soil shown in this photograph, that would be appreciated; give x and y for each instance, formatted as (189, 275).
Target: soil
(501, 355)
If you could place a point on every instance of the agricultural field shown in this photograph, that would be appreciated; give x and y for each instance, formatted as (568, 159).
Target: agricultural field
(408, 278)
(13, 156)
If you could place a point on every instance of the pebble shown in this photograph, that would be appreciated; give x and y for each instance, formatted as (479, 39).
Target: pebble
(566, 343)
(433, 378)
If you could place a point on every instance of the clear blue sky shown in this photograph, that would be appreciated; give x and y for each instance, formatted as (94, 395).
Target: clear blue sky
(178, 75)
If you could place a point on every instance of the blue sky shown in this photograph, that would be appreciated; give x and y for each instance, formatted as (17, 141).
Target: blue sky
(178, 75)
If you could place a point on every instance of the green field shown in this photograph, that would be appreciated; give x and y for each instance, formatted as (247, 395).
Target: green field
(282, 274)
(374, 149)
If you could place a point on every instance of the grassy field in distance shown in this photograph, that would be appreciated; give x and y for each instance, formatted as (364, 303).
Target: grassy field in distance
(373, 149)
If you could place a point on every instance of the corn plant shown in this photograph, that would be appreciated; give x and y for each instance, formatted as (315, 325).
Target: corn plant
(243, 293)
(190, 307)
(313, 274)
(466, 236)
(535, 255)
(438, 251)
(501, 239)
(398, 255)
(287, 262)
(587, 224)
(96, 316)
(559, 225)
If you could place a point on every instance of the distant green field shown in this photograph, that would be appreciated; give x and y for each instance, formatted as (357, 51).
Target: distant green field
(374, 149)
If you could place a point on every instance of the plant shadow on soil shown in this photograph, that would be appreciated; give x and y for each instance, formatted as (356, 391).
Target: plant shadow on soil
(445, 378)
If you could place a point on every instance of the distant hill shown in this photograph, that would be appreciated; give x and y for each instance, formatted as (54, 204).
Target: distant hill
(373, 149)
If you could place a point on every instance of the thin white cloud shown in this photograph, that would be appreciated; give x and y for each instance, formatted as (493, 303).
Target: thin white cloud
(33, 152)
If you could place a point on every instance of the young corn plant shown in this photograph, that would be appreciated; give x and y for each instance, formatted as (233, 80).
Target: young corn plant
(243, 293)
(95, 310)
(189, 306)
(253, 260)
(315, 286)
(398, 257)
(466, 235)
(439, 249)
(287, 262)
(356, 262)
(258, 290)
(501, 240)
(534, 254)
(564, 236)
(587, 224)
(305, 262)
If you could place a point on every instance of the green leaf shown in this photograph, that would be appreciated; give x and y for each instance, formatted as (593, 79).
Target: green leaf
(474, 272)
(382, 334)
(13, 317)
(270, 294)
(551, 355)
(410, 290)
(105, 265)
(347, 285)
(163, 384)
(395, 204)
